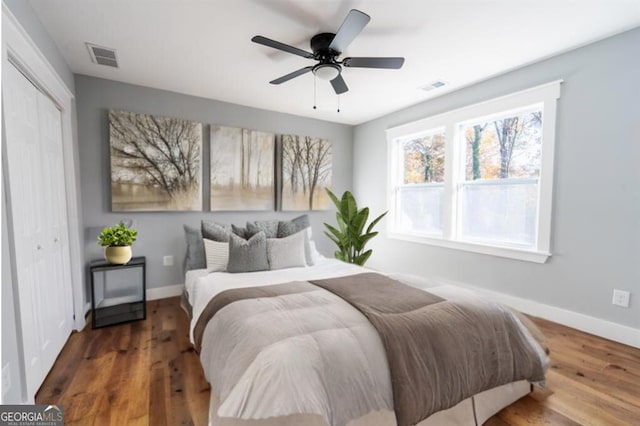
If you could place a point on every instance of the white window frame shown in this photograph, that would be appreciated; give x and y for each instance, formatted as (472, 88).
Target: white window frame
(547, 95)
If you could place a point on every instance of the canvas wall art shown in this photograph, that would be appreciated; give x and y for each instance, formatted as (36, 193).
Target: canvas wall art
(306, 173)
(242, 169)
(155, 162)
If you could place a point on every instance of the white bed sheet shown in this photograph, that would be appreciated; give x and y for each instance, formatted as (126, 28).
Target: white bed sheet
(190, 280)
(202, 286)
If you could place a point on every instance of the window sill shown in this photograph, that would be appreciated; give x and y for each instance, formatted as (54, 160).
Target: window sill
(511, 253)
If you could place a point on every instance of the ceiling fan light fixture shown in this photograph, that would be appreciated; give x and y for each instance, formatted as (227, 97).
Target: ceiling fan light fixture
(326, 71)
(327, 47)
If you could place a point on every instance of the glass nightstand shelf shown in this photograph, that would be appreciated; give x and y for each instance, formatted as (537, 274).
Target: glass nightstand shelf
(118, 292)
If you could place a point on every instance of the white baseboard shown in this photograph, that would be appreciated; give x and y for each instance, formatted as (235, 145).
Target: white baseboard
(164, 292)
(599, 327)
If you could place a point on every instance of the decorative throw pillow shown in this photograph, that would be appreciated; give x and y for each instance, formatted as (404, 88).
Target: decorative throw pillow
(293, 226)
(217, 255)
(287, 252)
(248, 255)
(240, 232)
(195, 249)
(215, 231)
(269, 227)
(290, 227)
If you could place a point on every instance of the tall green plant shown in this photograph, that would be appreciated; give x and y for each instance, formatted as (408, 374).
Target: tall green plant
(350, 236)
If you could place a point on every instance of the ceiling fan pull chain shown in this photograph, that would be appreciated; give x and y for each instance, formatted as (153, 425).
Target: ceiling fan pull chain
(314, 91)
(338, 103)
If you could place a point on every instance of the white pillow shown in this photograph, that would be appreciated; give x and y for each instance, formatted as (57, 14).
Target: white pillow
(287, 252)
(217, 255)
(315, 254)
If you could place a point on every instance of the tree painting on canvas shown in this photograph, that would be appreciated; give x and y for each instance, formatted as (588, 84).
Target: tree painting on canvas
(306, 173)
(242, 169)
(155, 162)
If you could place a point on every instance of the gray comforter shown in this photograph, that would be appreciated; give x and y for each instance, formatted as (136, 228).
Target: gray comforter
(345, 347)
(446, 350)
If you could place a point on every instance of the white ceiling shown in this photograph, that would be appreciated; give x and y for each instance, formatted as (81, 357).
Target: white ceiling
(203, 47)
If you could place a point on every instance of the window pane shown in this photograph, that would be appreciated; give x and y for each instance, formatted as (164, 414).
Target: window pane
(423, 159)
(504, 147)
(501, 212)
(420, 209)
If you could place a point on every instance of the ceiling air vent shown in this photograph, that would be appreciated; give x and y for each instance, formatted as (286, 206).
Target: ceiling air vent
(103, 55)
(434, 85)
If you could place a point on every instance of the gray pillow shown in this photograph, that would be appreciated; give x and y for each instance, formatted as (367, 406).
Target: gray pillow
(240, 232)
(290, 227)
(248, 255)
(287, 252)
(215, 231)
(195, 249)
(269, 227)
(293, 226)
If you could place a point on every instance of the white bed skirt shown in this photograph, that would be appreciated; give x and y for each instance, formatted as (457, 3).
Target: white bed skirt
(486, 404)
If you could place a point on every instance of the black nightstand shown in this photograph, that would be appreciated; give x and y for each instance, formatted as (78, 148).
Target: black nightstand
(118, 292)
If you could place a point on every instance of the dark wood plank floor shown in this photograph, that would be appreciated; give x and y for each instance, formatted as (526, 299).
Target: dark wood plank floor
(146, 373)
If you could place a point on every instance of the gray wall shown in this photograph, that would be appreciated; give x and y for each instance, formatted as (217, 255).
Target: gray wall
(10, 331)
(596, 208)
(162, 233)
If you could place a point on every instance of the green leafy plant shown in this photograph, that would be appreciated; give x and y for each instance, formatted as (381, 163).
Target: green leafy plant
(117, 235)
(350, 236)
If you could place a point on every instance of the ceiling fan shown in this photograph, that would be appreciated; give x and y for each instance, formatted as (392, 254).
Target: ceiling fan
(327, 47)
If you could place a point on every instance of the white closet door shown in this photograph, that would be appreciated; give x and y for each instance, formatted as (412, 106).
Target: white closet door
(59, 312)
(35, 174)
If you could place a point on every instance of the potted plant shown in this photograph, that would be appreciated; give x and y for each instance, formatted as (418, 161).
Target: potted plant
(117, 242)
(351, 237)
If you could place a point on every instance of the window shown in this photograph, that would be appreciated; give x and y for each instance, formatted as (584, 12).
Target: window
(421, 189)
(478, 178)
(498, 196)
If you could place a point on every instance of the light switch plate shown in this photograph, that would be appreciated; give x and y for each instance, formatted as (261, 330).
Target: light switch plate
(167, 260)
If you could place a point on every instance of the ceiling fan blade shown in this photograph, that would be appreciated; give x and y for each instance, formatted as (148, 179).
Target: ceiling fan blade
(388, 63)
(281, 46)
(350, 28)
(291, 75)
(339, 85)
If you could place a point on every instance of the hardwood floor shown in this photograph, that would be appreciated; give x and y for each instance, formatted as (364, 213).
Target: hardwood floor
(146, 373)
(141, 373)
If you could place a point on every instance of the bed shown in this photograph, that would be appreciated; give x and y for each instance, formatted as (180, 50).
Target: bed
(259, 382)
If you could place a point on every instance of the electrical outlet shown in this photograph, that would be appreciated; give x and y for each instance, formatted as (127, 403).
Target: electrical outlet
(167, 260)
(621, 298)
(6, 379)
